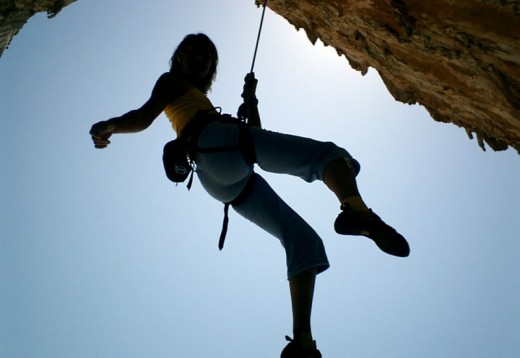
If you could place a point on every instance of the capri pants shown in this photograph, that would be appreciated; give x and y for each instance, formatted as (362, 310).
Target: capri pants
(225, 174)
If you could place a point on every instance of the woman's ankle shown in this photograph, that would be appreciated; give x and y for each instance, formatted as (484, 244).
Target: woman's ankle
(305, 340)
(356, 203)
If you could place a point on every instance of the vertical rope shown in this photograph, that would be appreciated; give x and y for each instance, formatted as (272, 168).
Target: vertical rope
(258, 37)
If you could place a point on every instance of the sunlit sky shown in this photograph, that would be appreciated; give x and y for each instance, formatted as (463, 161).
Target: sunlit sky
(101, 256)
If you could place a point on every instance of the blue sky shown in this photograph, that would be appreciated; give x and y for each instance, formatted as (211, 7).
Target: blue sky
(101, 256)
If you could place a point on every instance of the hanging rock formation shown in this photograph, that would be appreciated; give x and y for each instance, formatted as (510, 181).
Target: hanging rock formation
(15, 13)
(460, 59)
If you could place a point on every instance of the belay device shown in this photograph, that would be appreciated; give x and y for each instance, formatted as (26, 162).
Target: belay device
(179, 154)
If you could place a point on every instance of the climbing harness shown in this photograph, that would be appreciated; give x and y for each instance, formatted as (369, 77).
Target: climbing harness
(179, 154)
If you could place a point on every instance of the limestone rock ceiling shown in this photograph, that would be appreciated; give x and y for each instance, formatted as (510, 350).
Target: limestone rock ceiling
(15, 13)
(460, 59)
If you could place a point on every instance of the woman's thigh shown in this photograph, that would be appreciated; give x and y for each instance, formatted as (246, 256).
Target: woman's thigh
(223, 174)
(299, 156)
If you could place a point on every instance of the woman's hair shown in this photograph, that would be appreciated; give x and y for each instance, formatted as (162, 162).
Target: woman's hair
(204, 84)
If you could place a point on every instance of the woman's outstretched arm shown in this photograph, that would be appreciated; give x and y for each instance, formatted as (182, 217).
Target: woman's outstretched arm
(166, 90)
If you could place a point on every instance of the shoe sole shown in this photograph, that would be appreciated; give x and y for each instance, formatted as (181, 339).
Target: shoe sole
(399, 247)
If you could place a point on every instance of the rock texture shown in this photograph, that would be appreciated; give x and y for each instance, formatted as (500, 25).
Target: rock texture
(15, 13)
(458, 58)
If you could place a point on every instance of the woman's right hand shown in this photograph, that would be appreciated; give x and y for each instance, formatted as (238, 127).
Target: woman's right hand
(166, 90)
(100, 133)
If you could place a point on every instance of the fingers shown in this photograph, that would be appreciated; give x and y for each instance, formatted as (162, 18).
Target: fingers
(250, 82)
(242, 111)
(249, 88)
(100, 143)
(101, 129)
(100, 133)
(250, 77)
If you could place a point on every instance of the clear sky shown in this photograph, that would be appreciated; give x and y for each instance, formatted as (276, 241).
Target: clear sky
(101, 256)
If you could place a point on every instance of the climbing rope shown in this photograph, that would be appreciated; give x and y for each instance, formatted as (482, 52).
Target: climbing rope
(250, 82)
(258, 37)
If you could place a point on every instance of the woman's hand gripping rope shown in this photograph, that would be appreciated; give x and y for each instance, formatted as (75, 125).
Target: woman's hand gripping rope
(249, 95)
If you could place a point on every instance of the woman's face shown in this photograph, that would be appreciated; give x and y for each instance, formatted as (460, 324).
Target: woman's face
(195, 60)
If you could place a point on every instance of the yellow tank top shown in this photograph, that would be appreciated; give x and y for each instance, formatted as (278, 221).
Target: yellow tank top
(182, 110)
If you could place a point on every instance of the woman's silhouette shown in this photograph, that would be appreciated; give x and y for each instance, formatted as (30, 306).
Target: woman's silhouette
(228, 174)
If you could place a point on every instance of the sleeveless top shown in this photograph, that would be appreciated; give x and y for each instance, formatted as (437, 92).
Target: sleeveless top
(183, 109)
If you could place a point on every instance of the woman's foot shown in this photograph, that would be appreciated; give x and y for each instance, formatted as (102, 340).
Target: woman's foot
(296, 350)
(350, 222)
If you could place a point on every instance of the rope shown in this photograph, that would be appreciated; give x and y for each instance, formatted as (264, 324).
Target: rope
(258, 37)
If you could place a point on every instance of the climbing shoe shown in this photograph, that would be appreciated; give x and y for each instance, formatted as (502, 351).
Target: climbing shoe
(350, 222)
(295, 350)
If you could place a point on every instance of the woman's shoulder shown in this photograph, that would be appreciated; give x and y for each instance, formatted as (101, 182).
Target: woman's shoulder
(171, 85)
(170, 79)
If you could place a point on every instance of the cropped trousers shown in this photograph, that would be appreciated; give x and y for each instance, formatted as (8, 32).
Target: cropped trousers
(224, 175)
